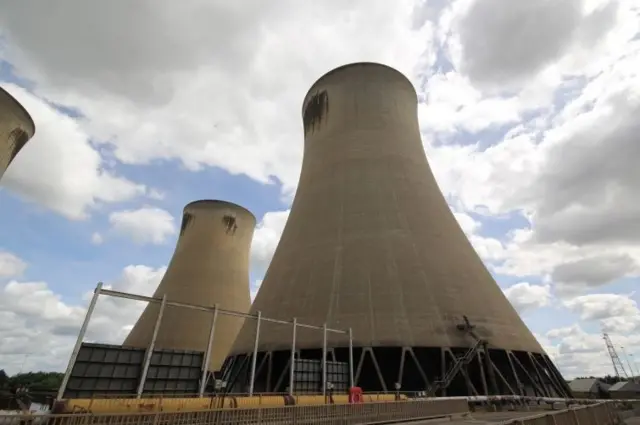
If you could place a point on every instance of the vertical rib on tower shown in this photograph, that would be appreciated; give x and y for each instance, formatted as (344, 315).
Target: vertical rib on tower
(210, 265)
(16, 128)
(371, 244)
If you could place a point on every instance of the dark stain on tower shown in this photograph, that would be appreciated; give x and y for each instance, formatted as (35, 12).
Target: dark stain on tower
(16, 128)
(230, 224)
(186, 219)
(17, 139)
(316, 109)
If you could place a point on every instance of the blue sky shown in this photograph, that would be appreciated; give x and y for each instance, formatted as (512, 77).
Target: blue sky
(129, 132)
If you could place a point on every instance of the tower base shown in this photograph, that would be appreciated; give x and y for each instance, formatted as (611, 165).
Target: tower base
(449, 371)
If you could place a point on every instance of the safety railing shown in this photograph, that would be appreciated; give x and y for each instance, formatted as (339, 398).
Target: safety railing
(595, 414)
(345, 414)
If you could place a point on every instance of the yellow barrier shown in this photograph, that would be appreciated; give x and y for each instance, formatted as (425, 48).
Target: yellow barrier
(133, 405)
(257, 401)
(344, 414)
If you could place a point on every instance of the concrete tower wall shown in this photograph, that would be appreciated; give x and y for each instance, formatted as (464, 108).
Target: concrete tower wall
(370, 242)
(210, 265)
(16, 128)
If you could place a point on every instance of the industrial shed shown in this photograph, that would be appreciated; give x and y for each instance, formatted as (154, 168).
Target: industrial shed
(589, 388)
(625, 389)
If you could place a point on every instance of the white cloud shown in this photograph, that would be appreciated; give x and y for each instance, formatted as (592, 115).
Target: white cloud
(147, 102)
(266, 237)
(525, 296)
(11, 265)
(581, 353)
(38, 328)
(59, 168)
(622, 324)
(97, 238)
(468, 224)
(255, 286)
(525, 37)
(145, 225)
(603, 306)
(452, 104)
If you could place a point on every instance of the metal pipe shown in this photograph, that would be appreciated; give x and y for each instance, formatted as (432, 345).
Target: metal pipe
(324, 360)
(149, 353)
(351, 380)
(207, 356)
(135, 297)
(76, 347)
(293, 357)
(530, 398)
(255, 355)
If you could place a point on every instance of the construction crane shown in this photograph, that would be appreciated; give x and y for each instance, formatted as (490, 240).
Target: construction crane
(618, 367)
(632, 374)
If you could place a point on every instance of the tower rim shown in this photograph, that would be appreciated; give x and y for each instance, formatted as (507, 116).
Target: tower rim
(19, 106)
(220, 202)
(350, 65)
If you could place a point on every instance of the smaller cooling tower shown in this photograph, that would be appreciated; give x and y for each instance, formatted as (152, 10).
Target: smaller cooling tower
(209, 266)
(16, 128)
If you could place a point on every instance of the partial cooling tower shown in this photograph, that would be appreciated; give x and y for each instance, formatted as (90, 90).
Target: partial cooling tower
(371, 244)
(16, 128)
(210, 265)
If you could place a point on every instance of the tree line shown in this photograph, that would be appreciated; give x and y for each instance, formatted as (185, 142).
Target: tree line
(608, 379)
(34, 381)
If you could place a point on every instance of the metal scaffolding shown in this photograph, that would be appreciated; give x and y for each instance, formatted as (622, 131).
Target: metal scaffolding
(215, 311)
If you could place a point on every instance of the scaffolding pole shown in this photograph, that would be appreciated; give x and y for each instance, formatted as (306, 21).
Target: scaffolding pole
(76, 347)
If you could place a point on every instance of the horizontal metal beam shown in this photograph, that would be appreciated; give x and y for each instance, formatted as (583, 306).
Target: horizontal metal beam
(135, 297)
(485, 398)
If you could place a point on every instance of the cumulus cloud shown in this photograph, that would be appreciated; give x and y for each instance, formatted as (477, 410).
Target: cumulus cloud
(622, 324)
(214, 87)
(266, 237)
(453, 104)
(581, 353)
(59, 168)
(525, 296)
(38, 328)
(603, 306)
(592, 272)
(11, 265)
(468, 224)
(594, 177)
(567, 169)
(504, 41)
(144, 225)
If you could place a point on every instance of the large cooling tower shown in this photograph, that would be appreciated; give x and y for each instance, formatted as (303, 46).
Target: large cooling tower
(371, 244)
(210, 265)
(16, 128)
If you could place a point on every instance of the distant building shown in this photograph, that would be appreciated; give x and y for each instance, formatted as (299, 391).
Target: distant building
(589, 388)
(625, 389)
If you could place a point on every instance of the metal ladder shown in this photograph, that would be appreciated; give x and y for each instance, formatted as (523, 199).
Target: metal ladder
(454, 370)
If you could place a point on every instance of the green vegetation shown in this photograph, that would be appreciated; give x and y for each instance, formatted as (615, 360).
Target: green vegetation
(35, 381)
(608, 379)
